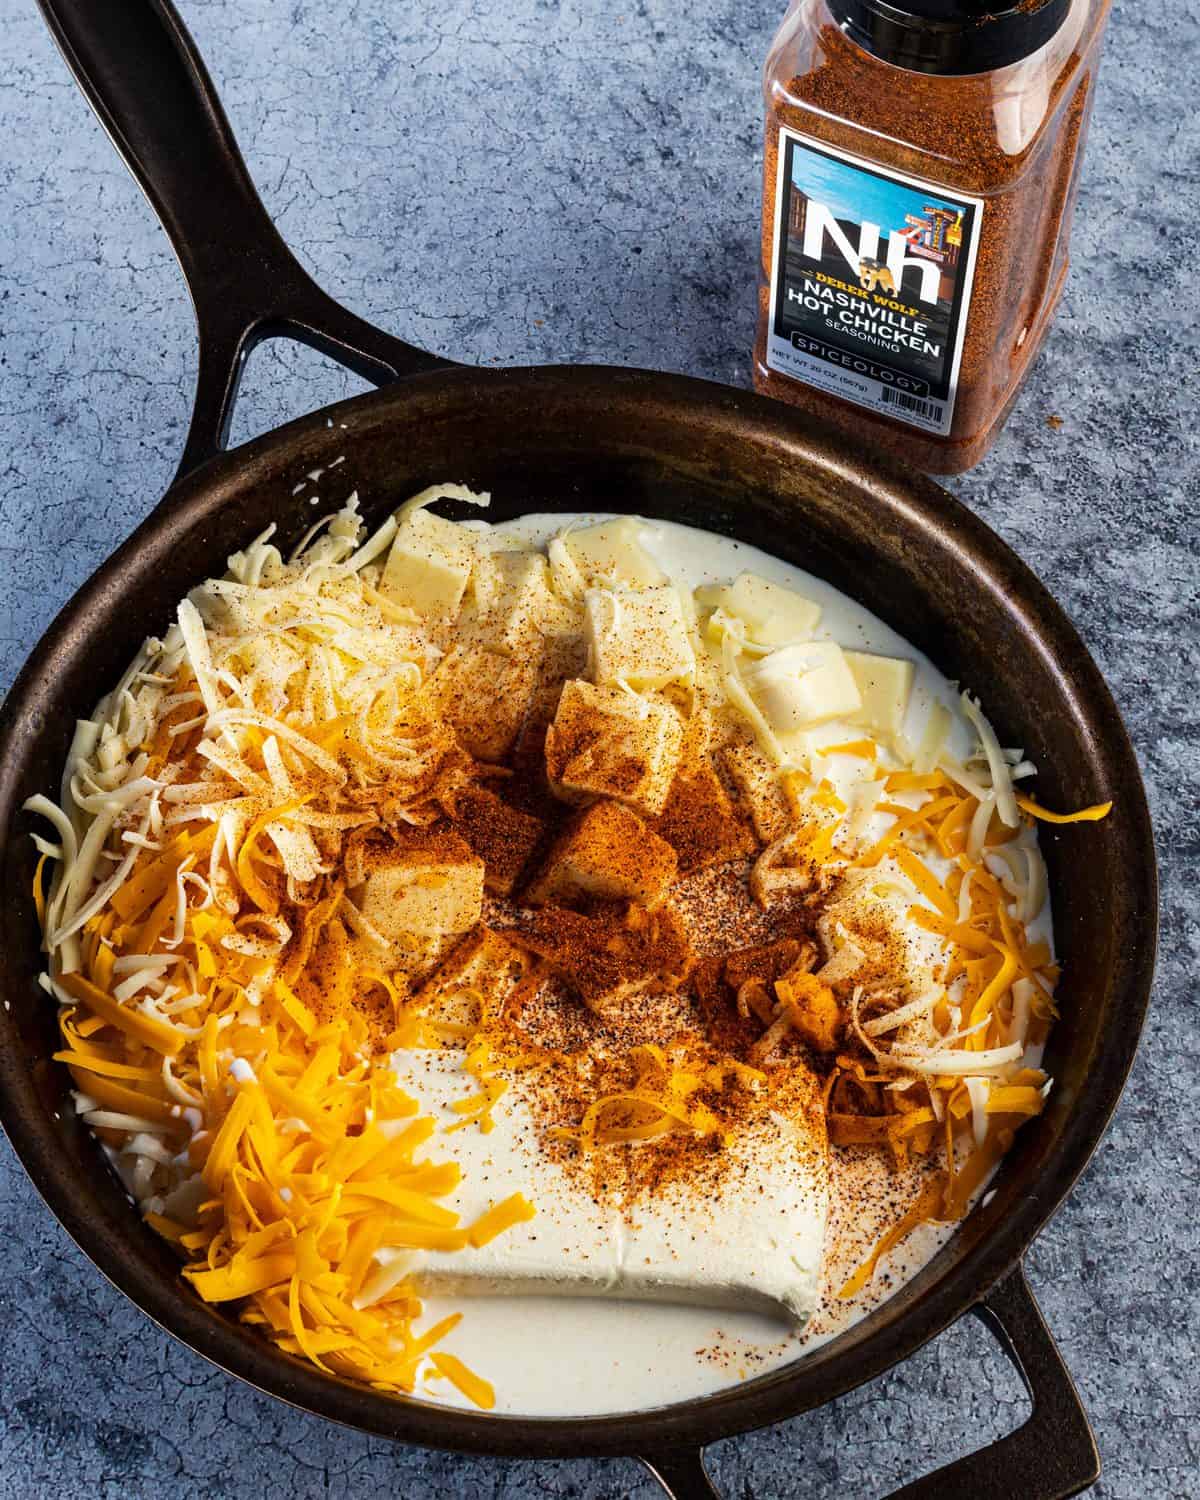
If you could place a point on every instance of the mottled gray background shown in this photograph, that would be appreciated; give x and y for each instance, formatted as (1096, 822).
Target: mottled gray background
(527, 181)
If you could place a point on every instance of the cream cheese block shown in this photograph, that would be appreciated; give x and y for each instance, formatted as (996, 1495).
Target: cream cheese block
(755, 1243)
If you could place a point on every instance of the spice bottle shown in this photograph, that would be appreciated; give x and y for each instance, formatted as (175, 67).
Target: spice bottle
(921, 163)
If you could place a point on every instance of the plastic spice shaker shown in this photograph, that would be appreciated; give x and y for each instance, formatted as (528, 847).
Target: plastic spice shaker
(922, 158)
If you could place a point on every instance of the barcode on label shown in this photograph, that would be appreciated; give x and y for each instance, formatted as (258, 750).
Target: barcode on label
(931, 409)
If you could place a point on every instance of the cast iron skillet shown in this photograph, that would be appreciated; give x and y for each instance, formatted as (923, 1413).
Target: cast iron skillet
(576, 439)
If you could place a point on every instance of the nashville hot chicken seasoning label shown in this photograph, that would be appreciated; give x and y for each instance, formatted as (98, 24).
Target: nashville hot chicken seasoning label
(870, 282)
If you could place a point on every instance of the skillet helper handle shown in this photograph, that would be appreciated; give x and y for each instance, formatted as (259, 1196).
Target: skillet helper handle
(140, 71)
(1051, 1457)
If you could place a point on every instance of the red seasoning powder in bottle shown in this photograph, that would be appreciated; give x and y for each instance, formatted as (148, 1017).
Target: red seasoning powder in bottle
(921, 164)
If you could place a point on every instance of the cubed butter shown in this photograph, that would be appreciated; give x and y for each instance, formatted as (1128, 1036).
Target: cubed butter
(429, 565)
(485, 696)
(504, 837)
(699, 822)
(431, 887)
(885, 684)
(798, 686)
(485, 967)
(606, 853)
(638, 636)
(759, 791)
(604, 742)
(611, 957)
(773, 615)
(612, 552)
(514, 608)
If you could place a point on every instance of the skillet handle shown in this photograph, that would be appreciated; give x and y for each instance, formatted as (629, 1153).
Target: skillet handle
(1051, 1457)
(140, 71)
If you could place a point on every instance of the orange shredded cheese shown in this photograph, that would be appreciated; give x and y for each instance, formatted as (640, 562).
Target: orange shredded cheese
(659, 1101)
(925, 881)
(134, 1023)
(906, 818)
(862, 749)
(927, 1205)
(1084, 815)
(473, 1386)
(39, 899)
(516, 1209)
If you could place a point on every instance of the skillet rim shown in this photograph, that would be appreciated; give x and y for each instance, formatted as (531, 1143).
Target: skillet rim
(972, 547)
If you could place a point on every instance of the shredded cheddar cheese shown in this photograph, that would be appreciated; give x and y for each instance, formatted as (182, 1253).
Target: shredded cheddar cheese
(473, 1387)
(661, 1099)
(1093, 814)
(516, 1209)
(862, 749)
(276, 1151)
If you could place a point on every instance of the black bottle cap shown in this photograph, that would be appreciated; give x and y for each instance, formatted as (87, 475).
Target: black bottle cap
(949, 36)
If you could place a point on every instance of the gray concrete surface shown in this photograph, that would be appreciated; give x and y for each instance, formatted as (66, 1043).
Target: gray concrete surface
(537, 180)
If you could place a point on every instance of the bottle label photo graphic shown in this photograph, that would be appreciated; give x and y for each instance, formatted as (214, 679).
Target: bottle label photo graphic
(870, 282)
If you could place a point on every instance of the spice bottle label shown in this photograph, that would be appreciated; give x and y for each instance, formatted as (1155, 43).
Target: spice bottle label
(870, 282)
